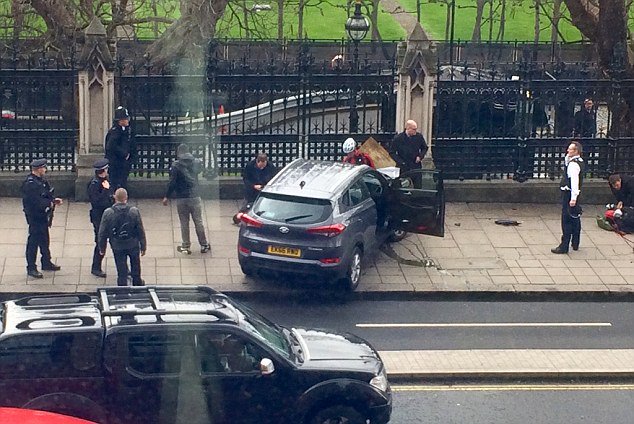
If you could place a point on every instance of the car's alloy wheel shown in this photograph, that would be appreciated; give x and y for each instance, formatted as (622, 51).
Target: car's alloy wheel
(338, 415)
(354, 270)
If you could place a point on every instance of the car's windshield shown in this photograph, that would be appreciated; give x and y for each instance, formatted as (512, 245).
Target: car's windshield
(262, 328)
(298, 210)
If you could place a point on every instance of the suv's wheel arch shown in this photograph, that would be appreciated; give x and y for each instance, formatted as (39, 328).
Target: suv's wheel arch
(339, 392)
(71, 404)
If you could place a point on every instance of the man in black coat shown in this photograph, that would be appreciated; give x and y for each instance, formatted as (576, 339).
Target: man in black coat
(586, 120)
(39, 204)
(622, 187)
(120, 148)
(101, 198)
(256, 174)
(184, 187)
(122, 224)
(408, 148)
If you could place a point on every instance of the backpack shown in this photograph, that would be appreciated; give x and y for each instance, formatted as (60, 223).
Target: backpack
(123, 227)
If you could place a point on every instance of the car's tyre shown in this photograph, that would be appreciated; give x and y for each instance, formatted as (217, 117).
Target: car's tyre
(397, 235)
(338, 414)
(247, 270)
(353, 273)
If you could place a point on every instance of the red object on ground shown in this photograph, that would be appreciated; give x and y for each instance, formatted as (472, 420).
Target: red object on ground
(30, 416)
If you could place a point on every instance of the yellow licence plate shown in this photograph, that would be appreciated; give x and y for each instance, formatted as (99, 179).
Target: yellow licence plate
(284, 251)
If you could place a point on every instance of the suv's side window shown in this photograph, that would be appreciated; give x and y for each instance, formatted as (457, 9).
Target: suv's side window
(227, 353)
(356, 194)
(155, 353)
(374, 185)
(56, 355)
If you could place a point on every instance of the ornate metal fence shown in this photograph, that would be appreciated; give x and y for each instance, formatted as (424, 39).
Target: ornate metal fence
(295, 107)
(39, 109)
(514, 120)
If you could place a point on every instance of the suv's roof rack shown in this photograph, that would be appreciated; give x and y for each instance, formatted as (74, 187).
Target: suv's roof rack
(159, 297)
(53, 301)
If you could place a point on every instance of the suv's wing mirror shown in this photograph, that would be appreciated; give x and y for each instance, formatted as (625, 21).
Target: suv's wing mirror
(266, 366)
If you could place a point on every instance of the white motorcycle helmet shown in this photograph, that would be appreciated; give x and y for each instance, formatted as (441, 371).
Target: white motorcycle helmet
(349, 145)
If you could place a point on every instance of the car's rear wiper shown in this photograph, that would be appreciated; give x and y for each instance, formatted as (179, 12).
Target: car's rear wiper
(293, 218)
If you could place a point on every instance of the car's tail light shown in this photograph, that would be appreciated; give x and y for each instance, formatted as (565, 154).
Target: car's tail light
(250, 221)
(243, 249)
(330, 260)
(328, 230)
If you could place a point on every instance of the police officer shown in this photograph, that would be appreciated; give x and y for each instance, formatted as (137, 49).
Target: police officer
(39, 204)
(100, 196)
(570, 187)
(120, 148)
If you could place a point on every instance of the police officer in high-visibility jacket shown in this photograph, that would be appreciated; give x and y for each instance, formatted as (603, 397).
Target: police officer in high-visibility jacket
(39, 204)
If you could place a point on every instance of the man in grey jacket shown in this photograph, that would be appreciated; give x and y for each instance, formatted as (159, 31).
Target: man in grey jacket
(184, 187)
(122, 224)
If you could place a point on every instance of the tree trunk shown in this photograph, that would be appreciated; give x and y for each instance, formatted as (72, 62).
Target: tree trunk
(448, 20)
(188, 36)
(500, 36)
(477, 26)
(537, 22)
(374, 20)
(554, 32)
(17, 11)
(585, 16)
(59, 20)
(280, 20)
(300, 20)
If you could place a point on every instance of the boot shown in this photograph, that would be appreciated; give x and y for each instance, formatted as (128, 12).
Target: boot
(34, 273)
(51, 267)
(184, 250)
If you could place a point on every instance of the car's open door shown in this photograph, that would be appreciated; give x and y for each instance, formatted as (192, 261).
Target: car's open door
(417, 203)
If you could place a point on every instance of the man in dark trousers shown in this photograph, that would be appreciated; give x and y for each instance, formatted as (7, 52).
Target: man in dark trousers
(570, 186)
(408, 148)
(101, 198)
(586, 120)
(184, 187)
(120, 148)
(39, 204)
(256, 174)
(122, 224)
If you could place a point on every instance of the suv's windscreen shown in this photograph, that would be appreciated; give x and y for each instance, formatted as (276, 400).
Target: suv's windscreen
(262, 328)
(291, 209)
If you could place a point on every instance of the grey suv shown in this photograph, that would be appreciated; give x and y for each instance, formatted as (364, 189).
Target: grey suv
(319, 219)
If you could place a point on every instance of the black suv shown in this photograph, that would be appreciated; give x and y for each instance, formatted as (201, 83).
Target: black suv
(182, 355)
(321, 219)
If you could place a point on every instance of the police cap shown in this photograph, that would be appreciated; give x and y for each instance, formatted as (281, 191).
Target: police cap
(38, 163)
(121, 113)
(100, 164)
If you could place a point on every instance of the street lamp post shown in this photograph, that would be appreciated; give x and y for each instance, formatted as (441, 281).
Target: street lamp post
(357, 27)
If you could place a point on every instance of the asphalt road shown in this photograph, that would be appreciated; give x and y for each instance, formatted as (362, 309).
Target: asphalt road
(513, 404)
(429, 325)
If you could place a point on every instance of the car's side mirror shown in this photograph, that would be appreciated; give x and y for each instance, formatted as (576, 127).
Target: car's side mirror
(266, 366)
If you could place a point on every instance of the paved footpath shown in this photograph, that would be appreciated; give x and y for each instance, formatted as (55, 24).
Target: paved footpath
(476, 255)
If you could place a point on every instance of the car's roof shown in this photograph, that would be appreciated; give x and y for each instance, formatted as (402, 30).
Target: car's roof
(313, 178)
(116, 306)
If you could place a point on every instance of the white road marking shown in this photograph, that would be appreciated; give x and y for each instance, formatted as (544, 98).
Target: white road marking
(509, 387)
(484, 324)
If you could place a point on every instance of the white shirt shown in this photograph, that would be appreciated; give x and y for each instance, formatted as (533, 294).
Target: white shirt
(573, 170)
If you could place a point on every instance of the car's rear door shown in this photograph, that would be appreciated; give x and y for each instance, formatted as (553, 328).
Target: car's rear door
(417, 203)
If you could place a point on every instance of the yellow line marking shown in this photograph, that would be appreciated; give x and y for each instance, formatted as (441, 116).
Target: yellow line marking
(486, 324)
(511, 387)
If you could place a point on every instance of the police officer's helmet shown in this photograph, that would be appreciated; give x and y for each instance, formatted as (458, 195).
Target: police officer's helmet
(121, 113)
(349, 145)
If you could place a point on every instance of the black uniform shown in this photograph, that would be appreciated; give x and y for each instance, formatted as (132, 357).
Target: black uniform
(585, 123)
(404, 150)
(100, 200)
(570, 216)
(121, 153)
(38, 203)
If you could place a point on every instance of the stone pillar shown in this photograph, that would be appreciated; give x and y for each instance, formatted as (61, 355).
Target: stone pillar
(417, 60)
(96, 101)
